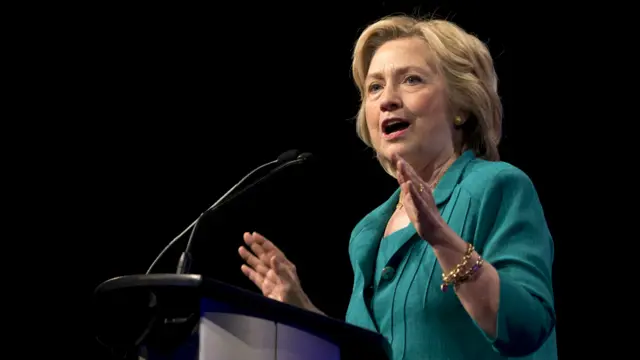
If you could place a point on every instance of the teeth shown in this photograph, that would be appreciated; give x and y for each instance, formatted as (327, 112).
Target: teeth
(393, 122)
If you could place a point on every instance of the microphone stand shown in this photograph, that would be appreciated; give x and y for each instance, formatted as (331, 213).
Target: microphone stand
(185, 259)
(184, 263)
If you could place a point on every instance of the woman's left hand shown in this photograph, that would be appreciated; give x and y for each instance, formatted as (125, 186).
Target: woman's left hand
(417, 199)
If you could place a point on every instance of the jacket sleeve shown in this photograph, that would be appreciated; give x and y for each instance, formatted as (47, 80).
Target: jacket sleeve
(514, 237)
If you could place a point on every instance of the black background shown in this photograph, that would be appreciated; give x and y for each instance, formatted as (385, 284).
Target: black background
(169, 106)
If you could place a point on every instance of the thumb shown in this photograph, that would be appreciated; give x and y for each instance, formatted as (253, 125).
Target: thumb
(278, 266)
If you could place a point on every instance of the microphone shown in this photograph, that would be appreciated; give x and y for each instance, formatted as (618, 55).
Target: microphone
(286, 156)
(300, 159)
(283, 161)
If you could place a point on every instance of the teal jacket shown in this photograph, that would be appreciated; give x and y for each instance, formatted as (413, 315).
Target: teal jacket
(396, 289)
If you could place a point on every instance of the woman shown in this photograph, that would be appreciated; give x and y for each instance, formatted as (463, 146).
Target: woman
(457, 263)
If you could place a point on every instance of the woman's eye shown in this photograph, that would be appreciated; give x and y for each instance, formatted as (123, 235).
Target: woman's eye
(374, 87)
(413, 79)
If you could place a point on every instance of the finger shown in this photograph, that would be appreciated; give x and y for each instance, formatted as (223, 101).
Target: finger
(409, 173)
(419, 202)
(252, 261)
(260, 239)
(409, 202)
(260, 281)
(418, 196)
(261, 253)
(257, 249)
(422, 190)
(248, 239)
(404, 189)
(405, 172)
(276, 271)
(252, 275)
(255, 237)
(267, 245)
(395, 157)
(399, 173)
(256, 245)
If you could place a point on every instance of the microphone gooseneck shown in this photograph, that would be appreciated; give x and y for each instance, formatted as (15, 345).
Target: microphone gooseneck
(295, 161)
(283, 161)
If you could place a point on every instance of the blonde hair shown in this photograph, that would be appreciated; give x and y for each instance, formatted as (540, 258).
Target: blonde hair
(464, 62)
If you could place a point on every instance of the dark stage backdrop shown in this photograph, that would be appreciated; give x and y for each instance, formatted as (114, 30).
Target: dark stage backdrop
(179, 104)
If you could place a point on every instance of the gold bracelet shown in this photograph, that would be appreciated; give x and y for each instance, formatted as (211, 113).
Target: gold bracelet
(456, 281)
(454, 274)
(470, 271)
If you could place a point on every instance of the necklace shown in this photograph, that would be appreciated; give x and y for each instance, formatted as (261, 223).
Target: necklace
(432, 186)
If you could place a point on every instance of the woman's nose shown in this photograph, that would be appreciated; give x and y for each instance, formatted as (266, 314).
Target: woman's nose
(390, 100)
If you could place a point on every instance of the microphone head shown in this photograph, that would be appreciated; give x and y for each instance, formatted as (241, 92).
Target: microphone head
(305, 156)
(287, 156)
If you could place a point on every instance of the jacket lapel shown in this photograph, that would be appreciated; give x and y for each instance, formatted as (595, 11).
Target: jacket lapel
(451, 178)
(366, 243)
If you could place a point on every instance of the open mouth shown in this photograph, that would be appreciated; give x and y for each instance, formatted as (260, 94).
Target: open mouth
(395, 126)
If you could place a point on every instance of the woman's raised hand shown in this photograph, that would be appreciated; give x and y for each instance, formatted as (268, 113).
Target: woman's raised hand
(271, 271)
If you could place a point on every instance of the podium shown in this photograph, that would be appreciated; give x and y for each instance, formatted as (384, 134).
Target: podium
(170, 316)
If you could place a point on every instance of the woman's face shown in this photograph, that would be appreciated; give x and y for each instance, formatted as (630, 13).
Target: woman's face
(406, 107)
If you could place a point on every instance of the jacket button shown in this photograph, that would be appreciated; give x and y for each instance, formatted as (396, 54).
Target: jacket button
(388, 272)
